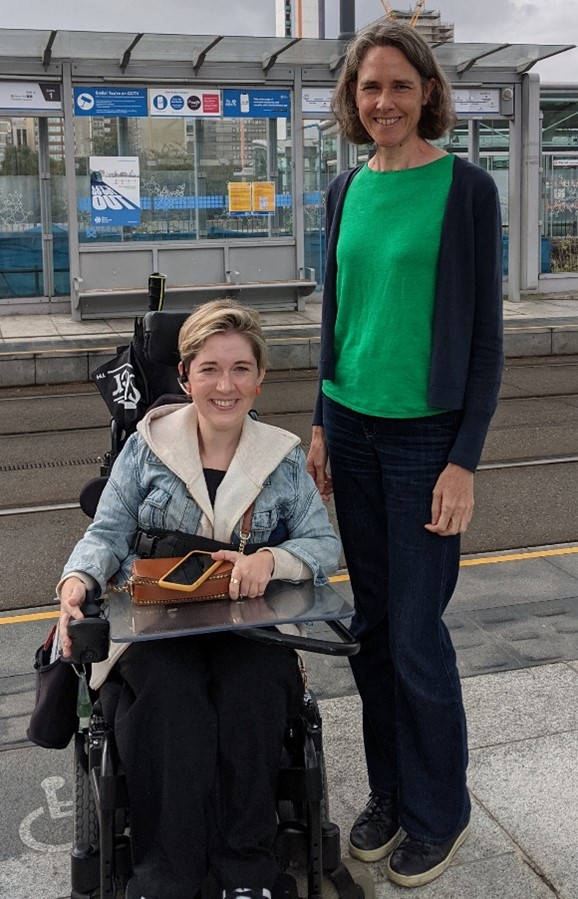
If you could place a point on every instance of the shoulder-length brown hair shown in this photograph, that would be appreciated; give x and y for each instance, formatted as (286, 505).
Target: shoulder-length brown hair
(438, 114)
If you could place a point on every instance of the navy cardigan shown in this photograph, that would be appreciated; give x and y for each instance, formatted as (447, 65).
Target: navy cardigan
(467, 352)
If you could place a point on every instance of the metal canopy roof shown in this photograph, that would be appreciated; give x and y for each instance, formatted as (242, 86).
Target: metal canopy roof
(507, 57)
(124, 47)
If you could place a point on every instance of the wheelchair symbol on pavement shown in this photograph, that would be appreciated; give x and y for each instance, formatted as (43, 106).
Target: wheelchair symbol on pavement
(56, 809)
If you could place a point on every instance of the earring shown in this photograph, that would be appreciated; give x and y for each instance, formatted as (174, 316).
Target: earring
(257, 390)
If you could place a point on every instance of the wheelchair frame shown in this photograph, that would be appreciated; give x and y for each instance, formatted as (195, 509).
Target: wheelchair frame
(100, 858)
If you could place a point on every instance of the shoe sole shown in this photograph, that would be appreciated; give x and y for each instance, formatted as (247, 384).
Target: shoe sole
(419, 880)
(375, 855)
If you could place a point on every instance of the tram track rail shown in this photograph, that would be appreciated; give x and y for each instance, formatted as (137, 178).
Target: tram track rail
(63, 506)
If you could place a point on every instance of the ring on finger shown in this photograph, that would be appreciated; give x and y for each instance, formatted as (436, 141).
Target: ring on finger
(234, 580)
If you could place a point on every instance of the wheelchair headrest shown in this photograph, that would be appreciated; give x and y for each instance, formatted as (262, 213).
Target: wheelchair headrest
(160, 336)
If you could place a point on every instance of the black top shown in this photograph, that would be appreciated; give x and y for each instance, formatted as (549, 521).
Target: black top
(213, 477)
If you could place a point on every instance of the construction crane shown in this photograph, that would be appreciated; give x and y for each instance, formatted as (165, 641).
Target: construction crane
(389, 13)
(417, 13)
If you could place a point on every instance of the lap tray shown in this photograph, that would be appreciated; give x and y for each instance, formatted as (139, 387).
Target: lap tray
(283, 603)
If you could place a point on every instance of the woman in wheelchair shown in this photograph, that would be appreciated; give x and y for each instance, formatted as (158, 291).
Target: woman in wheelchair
(200, 720)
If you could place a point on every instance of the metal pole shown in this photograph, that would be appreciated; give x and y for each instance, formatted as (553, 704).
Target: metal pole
(346, 19)
(531, 182)
(514, 203)
(73, 222)
(46, 208)
(298, 173)
(474, 141)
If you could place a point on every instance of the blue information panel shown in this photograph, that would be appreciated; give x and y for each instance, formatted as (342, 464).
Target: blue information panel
(112, 102)
(261, 104)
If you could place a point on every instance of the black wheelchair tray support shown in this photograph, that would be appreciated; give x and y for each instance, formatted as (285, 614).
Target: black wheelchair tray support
(348, 645)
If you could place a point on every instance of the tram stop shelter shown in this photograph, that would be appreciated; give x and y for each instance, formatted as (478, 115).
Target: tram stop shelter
(206, 158)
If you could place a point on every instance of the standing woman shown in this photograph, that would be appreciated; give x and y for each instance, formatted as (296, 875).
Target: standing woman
(410, 367)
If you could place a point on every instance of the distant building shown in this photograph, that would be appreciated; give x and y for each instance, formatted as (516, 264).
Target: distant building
(300, 18)
(429, 24)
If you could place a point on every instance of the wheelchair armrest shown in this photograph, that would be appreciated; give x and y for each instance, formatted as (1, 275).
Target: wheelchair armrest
(347, 645)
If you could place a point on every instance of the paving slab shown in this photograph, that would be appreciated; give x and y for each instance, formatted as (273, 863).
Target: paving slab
(532, 632)
(521, 580)
(509, 707)
(490, 865)
(530, 787)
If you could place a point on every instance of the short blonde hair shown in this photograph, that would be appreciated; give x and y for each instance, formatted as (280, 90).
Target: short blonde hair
(438, 115)
(219, 317)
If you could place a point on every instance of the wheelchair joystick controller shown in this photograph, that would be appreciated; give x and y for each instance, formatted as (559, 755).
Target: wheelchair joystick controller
(90, 634)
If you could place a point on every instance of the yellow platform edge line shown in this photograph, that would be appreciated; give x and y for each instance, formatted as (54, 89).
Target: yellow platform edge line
(36, 616)
(520, 557)
(341, 578)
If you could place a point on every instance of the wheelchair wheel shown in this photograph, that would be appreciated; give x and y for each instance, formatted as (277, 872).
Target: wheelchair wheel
(85, 823)
(360, 875)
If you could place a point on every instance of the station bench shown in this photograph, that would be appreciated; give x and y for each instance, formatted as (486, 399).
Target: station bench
(266, 295)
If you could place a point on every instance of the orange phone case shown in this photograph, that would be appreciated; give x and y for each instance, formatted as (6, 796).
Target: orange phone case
(189, 588)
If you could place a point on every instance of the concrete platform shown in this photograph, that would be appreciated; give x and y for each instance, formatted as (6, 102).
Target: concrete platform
(514, 623)
(53, 349)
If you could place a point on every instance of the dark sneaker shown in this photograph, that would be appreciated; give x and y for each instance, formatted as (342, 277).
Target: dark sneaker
(376, 832)
(414, 863)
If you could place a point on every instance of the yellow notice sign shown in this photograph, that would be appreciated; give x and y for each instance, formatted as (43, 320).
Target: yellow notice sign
(257, 197)
(263, 196)
(240, 196)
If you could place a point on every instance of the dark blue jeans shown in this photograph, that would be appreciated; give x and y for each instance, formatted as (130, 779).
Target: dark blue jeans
(403, 577)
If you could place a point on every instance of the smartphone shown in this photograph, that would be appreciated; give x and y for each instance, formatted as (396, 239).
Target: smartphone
(190, 572)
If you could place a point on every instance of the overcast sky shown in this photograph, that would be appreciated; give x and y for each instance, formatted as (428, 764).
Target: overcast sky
(492, 21)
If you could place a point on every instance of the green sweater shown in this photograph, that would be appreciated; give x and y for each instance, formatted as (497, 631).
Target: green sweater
(387, 258)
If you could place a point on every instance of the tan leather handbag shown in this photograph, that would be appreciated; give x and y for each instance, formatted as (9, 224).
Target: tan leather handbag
(143, 584)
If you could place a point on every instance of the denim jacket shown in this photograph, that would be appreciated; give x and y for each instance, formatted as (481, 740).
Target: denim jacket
(158, 482)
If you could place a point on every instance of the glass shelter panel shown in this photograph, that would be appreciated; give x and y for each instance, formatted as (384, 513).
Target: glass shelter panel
(187, 172)
(34, 257)
(21, 270)
(319, 167)
(560, 178)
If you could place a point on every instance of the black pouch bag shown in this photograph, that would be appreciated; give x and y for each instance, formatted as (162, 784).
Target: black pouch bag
(54, 720)
(122, 384)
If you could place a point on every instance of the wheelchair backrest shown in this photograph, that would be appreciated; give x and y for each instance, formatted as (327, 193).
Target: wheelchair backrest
(143, 374)
(143, 371)
(160, 334)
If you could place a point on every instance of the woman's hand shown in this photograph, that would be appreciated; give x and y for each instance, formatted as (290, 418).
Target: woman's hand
(452, 501)
(317, 463)
(250, 574)
(72, 596)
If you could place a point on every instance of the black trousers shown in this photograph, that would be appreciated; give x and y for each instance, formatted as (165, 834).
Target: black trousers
(199, 728)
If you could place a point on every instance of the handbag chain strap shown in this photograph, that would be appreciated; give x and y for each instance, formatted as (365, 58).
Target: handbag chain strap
(246, 528)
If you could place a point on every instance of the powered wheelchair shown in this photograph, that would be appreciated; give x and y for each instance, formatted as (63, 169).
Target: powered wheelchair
(307, 843)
